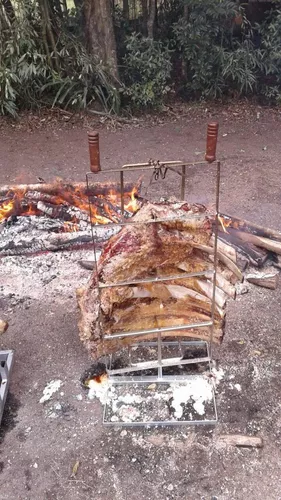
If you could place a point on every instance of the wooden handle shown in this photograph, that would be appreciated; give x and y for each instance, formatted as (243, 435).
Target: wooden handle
(212, 137)
(94, 150)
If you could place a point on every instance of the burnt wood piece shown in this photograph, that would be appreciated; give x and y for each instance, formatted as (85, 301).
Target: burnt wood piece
(240, 440)
(108, 209)
(249, 227)
(45, 197)
(52, 242)
(20, 206)
(257, 256)
(266, 280)
(64, 212)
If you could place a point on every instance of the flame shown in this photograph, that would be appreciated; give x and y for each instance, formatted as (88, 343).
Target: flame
(133, 204)
(224, 223)
(21, 203)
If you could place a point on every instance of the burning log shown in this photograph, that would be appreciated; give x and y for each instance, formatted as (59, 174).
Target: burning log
(44, 197)
(66, 213)
(79, 188)
(249, 227)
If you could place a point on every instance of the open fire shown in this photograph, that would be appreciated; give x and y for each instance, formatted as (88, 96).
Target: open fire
(68, 202)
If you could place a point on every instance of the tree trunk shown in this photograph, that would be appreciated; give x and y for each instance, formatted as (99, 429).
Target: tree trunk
(184, 62)
(151, 18)
(126, 10)
(144, 16)
(100, 33)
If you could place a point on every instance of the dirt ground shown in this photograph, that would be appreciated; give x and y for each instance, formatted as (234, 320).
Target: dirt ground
(41, 443)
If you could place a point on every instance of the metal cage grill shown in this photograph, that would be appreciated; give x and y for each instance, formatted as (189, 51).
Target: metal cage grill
(143, 373)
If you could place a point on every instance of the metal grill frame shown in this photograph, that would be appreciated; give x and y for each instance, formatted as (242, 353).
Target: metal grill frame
(159, 170)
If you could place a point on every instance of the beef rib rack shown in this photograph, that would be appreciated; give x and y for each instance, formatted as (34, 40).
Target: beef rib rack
(168, 245)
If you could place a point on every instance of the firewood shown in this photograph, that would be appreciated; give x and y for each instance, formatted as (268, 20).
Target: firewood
(207, 288)
(277, 261)
(3, 326)
(53, 241)
(268, 244)
(55, 188)
(266, 280)
(257, 256)
(224, 285)
(240, 440)
(63, 212)
(45, 197)
(249, 227)
(223, 258)
(224, 248)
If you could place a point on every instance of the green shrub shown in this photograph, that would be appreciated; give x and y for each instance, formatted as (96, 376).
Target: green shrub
(31, 76)
(216, 61)
(270, 35)
(146, 72)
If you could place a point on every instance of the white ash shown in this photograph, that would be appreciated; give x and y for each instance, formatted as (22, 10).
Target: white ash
(44, 277)
(197, 389)
(50, 389)
(98, 389)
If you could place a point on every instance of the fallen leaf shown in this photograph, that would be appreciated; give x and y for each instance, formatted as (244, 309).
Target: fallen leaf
(75, 469)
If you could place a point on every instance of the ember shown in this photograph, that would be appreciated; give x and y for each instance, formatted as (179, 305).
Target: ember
(43, 209)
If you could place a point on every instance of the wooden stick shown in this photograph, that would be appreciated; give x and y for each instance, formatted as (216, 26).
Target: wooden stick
(240, 440)
(266, 280)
